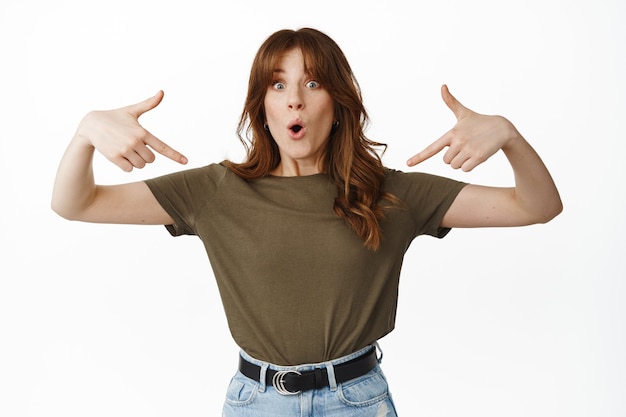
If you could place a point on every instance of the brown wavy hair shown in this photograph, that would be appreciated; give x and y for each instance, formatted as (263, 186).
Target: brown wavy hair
(351, 160)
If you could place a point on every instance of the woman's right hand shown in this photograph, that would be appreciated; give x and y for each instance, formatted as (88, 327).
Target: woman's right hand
(119, 136)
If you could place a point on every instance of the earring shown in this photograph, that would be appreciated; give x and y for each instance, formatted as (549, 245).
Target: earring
(266, 127)
(336, 123)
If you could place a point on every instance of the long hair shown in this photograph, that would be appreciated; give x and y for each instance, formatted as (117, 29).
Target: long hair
(351, 161)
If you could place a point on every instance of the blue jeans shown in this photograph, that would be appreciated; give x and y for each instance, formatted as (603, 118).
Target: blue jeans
(365, 396)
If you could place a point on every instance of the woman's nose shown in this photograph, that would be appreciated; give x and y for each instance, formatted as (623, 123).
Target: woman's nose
(296, 101)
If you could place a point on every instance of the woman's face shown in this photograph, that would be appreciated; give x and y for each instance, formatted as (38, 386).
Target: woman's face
(299, 114)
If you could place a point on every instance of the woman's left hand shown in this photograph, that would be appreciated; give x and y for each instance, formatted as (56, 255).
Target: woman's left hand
(473, 139)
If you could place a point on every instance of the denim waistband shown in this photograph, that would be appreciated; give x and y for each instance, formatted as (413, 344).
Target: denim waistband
(310, 366)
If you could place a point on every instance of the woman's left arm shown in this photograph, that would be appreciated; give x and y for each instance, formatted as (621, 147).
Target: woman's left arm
(475, 138)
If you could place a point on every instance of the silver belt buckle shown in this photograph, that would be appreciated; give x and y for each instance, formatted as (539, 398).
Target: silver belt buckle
(278, 381)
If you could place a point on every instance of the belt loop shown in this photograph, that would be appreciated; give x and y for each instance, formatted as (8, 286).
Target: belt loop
(332, 381)
(262, 377)
(377, 347)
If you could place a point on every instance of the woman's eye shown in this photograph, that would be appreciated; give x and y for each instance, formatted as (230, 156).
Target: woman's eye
(312, 84)
(279, 86)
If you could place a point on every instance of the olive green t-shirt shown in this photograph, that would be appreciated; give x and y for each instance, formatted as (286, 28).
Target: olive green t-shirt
(297, 283)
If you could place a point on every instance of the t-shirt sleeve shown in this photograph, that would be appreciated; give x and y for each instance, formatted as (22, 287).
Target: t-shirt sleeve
(183, 194)
(427, 197)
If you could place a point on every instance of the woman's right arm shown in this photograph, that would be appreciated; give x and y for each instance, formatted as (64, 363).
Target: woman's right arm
(118, 135)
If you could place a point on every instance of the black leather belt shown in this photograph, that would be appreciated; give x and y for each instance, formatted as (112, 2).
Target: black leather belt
(290, 382)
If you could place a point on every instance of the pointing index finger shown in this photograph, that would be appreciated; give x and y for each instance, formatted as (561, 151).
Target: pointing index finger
(165, 150)
(431, 150)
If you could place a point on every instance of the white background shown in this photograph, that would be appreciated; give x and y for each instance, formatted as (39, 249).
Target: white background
(100, 320)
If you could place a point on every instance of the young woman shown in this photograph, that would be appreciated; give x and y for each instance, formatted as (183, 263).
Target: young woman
(306, 236)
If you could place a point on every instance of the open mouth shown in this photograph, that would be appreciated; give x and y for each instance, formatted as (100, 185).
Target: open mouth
(296, 128)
